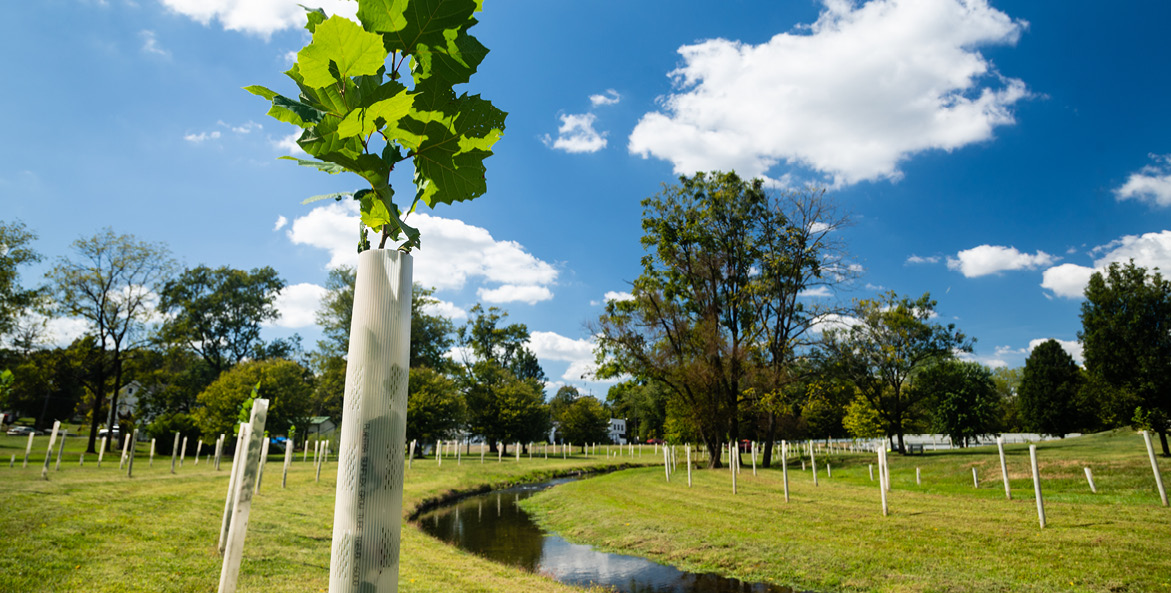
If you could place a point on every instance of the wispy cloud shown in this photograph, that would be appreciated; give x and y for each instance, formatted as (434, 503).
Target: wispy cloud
(245, 128)
(610, 97)
(150, 44)
(202, 137)
(915, 259)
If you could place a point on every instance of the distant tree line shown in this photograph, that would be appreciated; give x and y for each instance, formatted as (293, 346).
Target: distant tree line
(188, 341)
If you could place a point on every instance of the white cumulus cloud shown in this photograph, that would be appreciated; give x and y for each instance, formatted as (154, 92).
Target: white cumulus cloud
(453, 253)
(1067, 280)
(446, 309)
(257, 17)
(819, 292)
(577, 134)
(1151, 184)
(578, 353)
(861, 90)
(613, 295)
(298, 305)
(992, 259)
(835, 322)
(281, 222)
(288, 145)
(62, 331)
(513, 293)
(1073, 347)
(1149, 250)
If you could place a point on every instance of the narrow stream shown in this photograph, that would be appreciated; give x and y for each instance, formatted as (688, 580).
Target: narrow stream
(493, 525)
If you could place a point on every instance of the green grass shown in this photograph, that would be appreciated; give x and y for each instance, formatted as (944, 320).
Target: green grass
(95, 530)
(943, 535)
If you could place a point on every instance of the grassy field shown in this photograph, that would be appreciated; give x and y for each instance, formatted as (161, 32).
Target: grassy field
(95, 530)
(943, 535)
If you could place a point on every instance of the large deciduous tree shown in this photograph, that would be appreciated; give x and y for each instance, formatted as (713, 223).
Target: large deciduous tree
(335, 314)
(565, 396)
(52, 384)
(431, 334)
(715, 309)
(800, 251)
(435, 407)
(503, 408)
(502, 379)
(488, 339)
(584, 421)
(217, 313)
(964, 401)
(112, 282)
(287, 385)
(1126, 332)
(890, 339)
(15, 251)
(1049, 390)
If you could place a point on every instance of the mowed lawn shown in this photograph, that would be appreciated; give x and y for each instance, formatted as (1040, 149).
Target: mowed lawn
(943, 535)
(95, 530)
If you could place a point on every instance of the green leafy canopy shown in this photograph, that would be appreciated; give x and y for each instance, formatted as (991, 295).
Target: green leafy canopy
(358, 115)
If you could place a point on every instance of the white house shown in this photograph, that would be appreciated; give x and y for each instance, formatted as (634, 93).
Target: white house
(128, 399)
(618, 431)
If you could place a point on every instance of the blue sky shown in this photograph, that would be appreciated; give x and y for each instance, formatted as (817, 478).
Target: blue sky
(993, 154)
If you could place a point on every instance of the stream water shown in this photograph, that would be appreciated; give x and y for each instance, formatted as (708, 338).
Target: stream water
(493, 525)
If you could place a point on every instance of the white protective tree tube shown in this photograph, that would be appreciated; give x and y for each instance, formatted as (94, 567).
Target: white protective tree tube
(250, 460)
(28, 449)
(125, 445)
(260, 467)
(368, 507)
(288, 460)
(130, 459)
(785, 468)
(49, 451)
(1155, 467)
(230, 497)
(61, 450)
(1003, 468)
(1037, 485)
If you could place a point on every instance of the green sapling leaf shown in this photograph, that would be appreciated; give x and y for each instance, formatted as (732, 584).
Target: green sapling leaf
(342, 44)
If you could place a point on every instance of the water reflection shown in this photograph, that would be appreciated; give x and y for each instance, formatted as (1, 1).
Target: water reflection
(511, 537)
